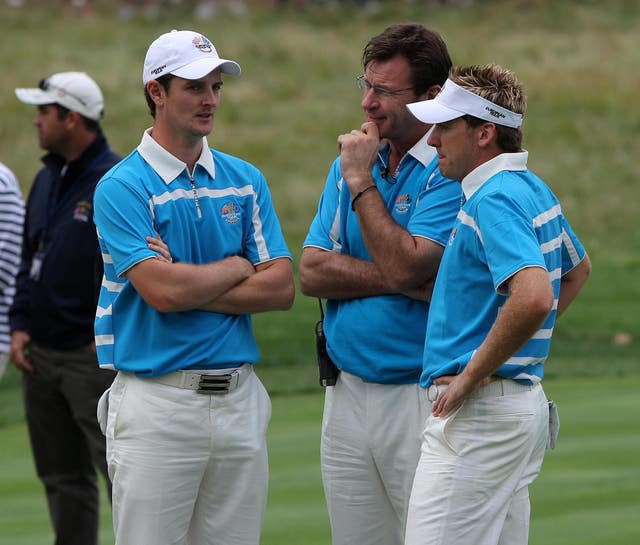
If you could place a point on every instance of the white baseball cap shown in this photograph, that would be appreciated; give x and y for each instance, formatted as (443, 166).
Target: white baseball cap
(454, 101)
(185, 54)
(73, 90)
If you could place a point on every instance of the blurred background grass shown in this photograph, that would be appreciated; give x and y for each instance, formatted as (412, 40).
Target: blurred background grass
(579, 61)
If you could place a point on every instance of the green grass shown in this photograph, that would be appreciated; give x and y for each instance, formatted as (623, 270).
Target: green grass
(588, 492)
(589, 489)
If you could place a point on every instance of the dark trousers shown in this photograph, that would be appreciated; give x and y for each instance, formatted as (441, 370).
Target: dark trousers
(61, 397)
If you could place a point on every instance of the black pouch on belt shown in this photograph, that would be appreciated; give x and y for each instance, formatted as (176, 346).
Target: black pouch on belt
(327, 370)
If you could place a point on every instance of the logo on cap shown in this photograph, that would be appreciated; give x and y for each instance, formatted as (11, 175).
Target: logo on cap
(494, 113)
(201, 43)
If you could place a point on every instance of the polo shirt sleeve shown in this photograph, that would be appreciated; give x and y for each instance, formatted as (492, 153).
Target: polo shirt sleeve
(573, 251)
(264, 240)
(123, 219)
(324, 231)
(436, 210)
(508, 237)
(11, 225)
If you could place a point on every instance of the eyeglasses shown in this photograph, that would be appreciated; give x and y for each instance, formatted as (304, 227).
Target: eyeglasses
(364, 85)
(45, 85)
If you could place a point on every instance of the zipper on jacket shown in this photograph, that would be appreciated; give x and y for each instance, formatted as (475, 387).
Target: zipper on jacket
(196, 198)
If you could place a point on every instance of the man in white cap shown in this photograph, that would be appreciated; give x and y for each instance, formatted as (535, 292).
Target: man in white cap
(57, 286)
(187, 417)
(511, 267)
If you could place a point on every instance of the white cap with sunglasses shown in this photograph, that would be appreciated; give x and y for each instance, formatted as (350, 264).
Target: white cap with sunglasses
(73, 90)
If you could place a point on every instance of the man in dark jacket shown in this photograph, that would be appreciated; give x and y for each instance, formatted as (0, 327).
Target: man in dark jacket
(52, 315)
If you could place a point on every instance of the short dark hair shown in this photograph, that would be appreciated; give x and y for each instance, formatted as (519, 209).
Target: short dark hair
(165, 81)
(89, 124)
(424, 49)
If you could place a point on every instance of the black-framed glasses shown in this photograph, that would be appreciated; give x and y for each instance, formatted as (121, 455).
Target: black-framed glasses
(364, 85)
(46, 85)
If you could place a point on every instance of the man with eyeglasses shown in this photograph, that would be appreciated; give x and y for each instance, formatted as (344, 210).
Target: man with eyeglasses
(373, 251)
(51, 319)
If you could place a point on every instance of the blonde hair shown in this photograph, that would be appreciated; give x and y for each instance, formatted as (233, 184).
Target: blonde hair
(494, 83)
(500, 86)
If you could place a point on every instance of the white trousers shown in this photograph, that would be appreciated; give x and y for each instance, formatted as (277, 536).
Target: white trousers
(472, 482)
(369, 450)
(187, 467)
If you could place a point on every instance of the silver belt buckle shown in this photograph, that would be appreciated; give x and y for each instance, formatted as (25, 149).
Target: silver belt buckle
(218, 384)
(432, 393)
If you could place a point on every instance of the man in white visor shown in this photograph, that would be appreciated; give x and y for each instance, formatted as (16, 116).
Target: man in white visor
(511, 267)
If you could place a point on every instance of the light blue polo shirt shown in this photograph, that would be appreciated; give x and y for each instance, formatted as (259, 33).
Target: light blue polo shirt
(510, 221)
(228, 213)
(380, 339)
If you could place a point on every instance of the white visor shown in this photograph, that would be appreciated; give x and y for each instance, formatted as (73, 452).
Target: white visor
(454, 101)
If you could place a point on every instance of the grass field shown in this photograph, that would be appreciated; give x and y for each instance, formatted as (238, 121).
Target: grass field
(588, 492)
(579, 61)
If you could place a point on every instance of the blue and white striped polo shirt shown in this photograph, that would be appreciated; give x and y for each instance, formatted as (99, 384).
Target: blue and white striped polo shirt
(228, 213)
(511, 220)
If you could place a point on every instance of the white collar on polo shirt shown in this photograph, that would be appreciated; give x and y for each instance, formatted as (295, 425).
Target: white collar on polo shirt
(422, 151)
(168, 166)
(505, 161)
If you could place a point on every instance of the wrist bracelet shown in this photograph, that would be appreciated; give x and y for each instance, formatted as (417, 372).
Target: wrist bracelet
(353, 201)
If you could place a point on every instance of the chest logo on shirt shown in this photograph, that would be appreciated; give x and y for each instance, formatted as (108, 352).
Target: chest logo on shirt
(403, 203)
(82, 211)
(230, 212)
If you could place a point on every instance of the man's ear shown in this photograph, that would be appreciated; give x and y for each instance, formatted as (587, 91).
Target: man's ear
(155, 91)
(430, 93)
(487, 134)
(72, 119)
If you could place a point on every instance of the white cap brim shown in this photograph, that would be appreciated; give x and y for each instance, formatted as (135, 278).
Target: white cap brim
(200, 68)
(39, 97)
(35, 96)
(431, 111)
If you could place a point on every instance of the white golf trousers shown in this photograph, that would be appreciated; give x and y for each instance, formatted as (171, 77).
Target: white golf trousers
(369, 450)
(187, 468)
(472, 482)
